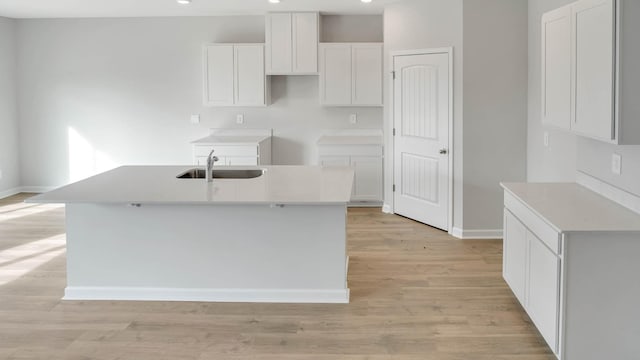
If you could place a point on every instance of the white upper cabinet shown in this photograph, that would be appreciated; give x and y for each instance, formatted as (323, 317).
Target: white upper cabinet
(351, 74)
(335, 74)
(234, 75)
(593, 39)
(586, 48)
(292, 43)
(556, 68)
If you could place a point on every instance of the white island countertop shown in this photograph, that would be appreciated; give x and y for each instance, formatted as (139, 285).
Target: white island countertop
(570, 207)
(308, 185)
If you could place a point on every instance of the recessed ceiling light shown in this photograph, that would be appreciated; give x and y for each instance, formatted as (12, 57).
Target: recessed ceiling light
(274, 1)
(183, 2)
(366, 1)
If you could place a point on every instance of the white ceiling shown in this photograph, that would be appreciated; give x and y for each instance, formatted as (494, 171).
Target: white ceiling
(144, 8)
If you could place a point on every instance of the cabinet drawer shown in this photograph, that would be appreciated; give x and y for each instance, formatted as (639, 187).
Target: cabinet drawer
(538, 226)
(350, 150)
(225, 150)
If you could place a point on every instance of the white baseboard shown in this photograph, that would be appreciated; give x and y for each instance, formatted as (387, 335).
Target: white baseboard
(37, 189)
(386, 208)
(26, 189)
(10, 192)
(476, 234)
(319, 296)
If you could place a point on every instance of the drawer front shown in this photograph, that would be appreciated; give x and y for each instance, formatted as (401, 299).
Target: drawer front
(225, 150)
(241, 161)
(538, 226)
(350, 150)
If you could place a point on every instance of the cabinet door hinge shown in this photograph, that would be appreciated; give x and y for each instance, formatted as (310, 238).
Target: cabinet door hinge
(393, 74)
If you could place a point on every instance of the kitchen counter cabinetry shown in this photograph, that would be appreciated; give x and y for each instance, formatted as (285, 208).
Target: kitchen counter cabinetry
(234, 148)
(570, 258)
(364, 155)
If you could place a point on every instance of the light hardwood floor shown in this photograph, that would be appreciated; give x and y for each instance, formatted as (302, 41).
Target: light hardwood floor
(416, 293)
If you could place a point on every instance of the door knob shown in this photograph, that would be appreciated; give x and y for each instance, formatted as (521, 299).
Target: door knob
(443, 151)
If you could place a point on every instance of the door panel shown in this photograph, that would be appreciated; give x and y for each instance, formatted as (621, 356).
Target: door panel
(305, 42)
(593, 56)
(335, 74)
(219, 68)
(279, 47)
(514, 265)
(421, 121)
(368, 181)
(367, 70)
(249, 75)
(556, 68)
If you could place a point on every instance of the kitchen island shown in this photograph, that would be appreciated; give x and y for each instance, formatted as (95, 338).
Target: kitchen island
(141, 233)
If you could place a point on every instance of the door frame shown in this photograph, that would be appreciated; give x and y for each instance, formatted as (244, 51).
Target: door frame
(391, 157)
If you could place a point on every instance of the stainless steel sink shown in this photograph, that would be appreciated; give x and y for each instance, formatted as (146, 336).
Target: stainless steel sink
(221, 174)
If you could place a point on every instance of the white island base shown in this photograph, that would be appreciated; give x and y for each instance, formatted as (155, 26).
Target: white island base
(208, 252)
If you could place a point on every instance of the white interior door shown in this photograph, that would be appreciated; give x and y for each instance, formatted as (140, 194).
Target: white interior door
(421, 142)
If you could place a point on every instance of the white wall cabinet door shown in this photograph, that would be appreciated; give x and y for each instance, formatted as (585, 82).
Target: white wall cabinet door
(367, 184)
(556, 68)
(218, 74)
(515, 255)
(279, 48)
(334, 161)
(305, 43)
(366, 74)
(234, 75)
(292, 43)
(351, 74)
(594, 68)
(543, 289)
(335, 74)
(249, 75)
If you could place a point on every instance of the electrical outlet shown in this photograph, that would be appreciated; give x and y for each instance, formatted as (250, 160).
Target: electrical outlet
(195, 119)
(616, 164)
(353, 119)
(239, 119)
(546, 139)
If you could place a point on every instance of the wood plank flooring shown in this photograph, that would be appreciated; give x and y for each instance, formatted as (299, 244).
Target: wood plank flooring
(416, 294)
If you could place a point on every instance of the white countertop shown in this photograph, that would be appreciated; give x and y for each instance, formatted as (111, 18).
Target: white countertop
(569, 207)
(350, 140)
(303, 185)
(231, 140)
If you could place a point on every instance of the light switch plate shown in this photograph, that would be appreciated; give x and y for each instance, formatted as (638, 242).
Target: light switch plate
(195, 119)
(353, 119)
(239, 119)
(616, 164)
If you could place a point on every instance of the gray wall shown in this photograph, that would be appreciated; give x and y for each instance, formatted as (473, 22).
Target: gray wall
(490, 86)
(566, 152)
(123, 91)
(9, 159)
(422, 24)
(495, 106)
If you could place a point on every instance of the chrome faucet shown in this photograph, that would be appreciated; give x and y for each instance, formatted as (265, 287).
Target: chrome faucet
(208, 172)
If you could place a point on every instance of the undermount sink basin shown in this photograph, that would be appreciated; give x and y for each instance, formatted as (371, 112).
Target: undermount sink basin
(221, 174)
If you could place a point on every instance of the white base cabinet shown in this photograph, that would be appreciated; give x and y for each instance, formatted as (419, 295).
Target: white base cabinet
(573, 269)
(366, 161)
(234, 147)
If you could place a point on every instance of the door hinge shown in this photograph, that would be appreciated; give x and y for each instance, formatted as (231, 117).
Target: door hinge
(394, 187)
(393, 74)
(394, 131)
